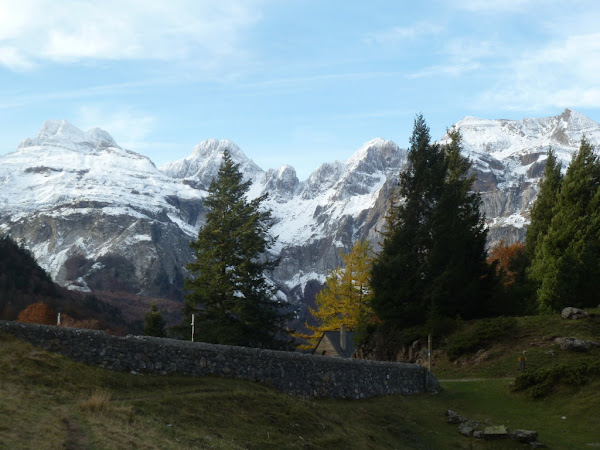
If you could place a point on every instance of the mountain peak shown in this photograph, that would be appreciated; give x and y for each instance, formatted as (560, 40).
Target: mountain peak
(206, 159)
(216, 147)
(64, 132)
(62, 128)
(367, 149)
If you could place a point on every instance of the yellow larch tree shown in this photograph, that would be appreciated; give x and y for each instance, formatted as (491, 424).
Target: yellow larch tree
(346, 297)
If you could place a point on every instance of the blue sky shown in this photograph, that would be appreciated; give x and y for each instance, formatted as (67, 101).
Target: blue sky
(296, 82)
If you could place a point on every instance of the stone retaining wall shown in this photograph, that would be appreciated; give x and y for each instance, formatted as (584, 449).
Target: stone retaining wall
(294, 373)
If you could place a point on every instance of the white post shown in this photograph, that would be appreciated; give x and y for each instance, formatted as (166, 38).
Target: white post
(192, 328)
(429, 350)
(58, 320)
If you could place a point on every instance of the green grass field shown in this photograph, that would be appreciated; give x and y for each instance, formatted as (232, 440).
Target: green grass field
(48, 401)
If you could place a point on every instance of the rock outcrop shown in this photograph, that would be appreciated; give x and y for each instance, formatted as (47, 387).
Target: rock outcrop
(571, 344)
(573, 313)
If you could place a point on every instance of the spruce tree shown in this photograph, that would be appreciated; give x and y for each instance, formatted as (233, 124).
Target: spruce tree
(462, 283)
(545, 203)
(232, 301)
(400, 272)
(433, 255)
(566, 264)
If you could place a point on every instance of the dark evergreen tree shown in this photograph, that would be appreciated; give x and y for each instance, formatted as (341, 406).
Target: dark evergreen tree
(462, 283)
(566, 264)
(232, 301)
(154, 324)
(433, 255)
(545, 203)
(399, 273)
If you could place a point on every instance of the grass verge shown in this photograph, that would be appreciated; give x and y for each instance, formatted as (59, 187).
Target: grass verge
(47, 401)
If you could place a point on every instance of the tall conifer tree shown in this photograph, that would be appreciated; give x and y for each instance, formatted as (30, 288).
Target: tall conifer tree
(566, 263)
(232, 301)
(462, 283)
(545, 203)
(400, 274)
(433, 255)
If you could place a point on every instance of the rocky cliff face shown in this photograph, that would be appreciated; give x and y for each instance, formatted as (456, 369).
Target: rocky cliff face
(97, 216)
(509, 157)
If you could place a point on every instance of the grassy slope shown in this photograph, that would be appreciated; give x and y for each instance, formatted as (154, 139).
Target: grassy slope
(534, 335)
(47, 401)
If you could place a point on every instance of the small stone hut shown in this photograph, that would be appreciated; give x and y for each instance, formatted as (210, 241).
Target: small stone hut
(339, 344)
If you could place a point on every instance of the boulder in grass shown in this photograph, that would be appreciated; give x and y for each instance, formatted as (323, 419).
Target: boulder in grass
(496, 432)
(573, 313)
(468, 428)
(453, 417)
(571, 344)
(525, 435)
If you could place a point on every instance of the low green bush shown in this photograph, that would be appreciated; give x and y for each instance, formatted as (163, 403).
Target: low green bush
(479, 335)
(544, 381)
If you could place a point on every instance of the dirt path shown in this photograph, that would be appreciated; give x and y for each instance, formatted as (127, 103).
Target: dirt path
(466, 380)
(77, 438)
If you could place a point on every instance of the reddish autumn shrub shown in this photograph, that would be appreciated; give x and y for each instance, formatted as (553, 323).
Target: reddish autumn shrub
(38, 312)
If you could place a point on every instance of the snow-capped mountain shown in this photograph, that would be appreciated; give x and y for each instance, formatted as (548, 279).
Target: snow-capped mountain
(203, 164)
(509, 157)
(97, 216)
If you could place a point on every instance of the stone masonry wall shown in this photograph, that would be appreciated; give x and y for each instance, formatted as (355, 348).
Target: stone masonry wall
(294, 373)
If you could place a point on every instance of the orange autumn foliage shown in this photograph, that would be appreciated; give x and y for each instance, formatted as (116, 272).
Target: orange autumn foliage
(42, 314)
(39, 313)
(504, 255)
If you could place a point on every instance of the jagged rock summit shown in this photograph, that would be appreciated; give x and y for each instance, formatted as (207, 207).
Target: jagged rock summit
(98, 216)
(63, 132)
(206, 158)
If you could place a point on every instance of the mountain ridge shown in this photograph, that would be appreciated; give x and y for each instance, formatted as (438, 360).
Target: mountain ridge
(74, 195)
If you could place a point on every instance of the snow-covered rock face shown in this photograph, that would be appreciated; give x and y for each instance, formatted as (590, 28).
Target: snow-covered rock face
(71, 196)
(96, 215)
(204, 162)
(509, 157)
(281, 184)
(62, 132)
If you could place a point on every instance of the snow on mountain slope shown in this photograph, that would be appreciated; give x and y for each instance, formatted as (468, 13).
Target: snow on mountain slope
(333, 191)
(508, 159)
(517, 144)
(63, 166)
(97, 216)
(74, 194)
(206, 158)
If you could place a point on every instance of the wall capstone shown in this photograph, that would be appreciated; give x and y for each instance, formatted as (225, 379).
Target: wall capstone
(297, 374)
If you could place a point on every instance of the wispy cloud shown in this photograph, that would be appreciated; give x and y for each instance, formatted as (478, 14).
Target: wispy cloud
(14, 60)
(459, 56)
(453, 70)
(559, 74)
(10, 100)
(401, 34)
(129, 127)
(34, 31)
(293, 82)
(493, 6)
